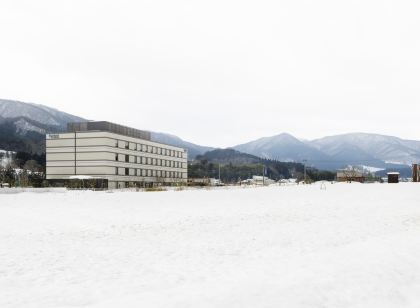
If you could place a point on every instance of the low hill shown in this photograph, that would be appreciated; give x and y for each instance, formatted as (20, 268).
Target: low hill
(229, 156)
(235, 166)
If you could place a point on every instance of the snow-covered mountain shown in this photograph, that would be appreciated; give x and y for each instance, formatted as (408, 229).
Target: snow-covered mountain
(372, 148)
(23, 126)
(285, 147)
(337, 151)
(193, 149)
(36, 113)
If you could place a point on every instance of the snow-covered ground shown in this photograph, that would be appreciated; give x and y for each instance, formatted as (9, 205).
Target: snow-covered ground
(350, 245)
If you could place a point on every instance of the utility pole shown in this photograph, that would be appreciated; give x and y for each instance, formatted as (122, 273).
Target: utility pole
(75, 150)
(263, 175)
(219, 174)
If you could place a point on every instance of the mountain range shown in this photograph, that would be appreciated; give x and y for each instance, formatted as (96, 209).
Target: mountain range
(370, 150)
(23, 126)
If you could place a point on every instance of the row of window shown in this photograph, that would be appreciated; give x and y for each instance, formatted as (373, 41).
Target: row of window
(150, 161)
(151, 173)
(148, 149)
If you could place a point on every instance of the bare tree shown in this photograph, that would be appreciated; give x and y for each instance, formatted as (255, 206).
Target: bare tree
(351, 173)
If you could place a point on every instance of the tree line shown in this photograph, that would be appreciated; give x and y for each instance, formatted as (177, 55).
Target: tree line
(24, 170)
(231, 173)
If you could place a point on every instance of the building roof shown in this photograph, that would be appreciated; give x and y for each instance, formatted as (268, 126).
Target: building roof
(108, 127)
(349, 173)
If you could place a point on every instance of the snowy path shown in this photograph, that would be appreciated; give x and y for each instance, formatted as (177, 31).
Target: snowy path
(348, 246)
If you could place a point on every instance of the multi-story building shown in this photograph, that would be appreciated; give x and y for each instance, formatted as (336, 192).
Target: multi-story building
(114, 155)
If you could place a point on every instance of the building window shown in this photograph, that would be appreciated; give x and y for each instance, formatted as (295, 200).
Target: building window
(116, 157)
(154, 162)
(127, 171)
(154, 173)
(149, 172)
(127, 145)
(116, 170)
(127, 158)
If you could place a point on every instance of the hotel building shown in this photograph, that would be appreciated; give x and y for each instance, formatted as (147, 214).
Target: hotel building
(114, 156)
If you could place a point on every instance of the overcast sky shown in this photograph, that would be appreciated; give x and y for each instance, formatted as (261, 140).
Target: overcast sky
(219, 73)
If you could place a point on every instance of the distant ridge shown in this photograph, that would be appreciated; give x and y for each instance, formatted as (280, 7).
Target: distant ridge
(35, 112)
(338, 151)
(23, 125)
(193, 149)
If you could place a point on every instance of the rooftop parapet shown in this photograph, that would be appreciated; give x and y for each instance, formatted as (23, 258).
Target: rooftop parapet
(108, 127)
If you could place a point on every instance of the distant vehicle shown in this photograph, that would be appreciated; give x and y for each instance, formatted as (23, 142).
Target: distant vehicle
(216, 182)
(4, 185)
(258, 180)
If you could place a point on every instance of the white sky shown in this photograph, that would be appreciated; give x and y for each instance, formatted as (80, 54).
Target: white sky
(216, 72)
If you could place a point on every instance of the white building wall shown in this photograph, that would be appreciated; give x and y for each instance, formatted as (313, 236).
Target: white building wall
(103, 155)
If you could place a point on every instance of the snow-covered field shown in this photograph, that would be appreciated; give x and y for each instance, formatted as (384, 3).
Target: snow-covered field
(350, 245)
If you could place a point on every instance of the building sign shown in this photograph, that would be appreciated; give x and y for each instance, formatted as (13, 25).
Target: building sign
(53, 136)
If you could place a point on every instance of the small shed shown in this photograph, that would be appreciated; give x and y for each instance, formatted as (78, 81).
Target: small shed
(393, 177)
(416, 172)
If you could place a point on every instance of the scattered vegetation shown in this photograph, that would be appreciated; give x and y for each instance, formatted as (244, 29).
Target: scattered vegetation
(236, 166)
(160, 188)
